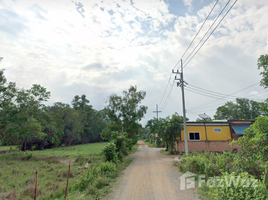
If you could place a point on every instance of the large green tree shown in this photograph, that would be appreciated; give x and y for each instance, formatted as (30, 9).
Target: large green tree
(125, 112)
(173, 131)
(263, 66)
(92, 120)
(241, 109)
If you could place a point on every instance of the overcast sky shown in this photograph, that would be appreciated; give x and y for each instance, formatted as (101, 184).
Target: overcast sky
(102, 47)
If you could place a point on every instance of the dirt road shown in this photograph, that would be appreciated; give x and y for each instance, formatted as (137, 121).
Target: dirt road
(151, 176)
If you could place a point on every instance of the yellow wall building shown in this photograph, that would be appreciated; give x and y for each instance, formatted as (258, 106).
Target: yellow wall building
(207, 131)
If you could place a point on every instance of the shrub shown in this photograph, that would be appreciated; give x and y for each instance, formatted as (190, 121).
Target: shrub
(241, 187)
(209, 164)
(110, 153)
(107, 169)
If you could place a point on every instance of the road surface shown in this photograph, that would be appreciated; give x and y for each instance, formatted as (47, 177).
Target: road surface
(151, 176)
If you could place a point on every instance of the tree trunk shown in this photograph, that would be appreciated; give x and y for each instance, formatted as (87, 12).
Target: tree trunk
(25, 146)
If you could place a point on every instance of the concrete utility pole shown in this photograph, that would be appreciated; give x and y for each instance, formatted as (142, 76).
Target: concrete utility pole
(157, 111)
(181, 84)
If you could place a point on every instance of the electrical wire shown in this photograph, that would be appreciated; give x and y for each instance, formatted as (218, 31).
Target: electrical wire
(208, 94)
(223, 98)
(210, 34)
(207, 30)
(199, 30)
(168, 83)
(211, 92)
(165, 90)
(168, 96)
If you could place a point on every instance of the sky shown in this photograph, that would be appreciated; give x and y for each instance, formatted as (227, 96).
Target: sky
(99, 48)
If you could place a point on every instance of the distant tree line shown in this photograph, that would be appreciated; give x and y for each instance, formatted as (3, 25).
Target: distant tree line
(26, 121)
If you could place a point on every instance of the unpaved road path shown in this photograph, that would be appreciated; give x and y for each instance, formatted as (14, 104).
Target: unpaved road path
(151, 176)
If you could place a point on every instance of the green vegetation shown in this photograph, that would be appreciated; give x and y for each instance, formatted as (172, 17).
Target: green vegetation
(250, 163)
(124, 113)
(164, 132)
(85, 150)
(7, 148)
(36, 129)
(26, 122)
(87, 181)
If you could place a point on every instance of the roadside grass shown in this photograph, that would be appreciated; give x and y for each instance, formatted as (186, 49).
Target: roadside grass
(150, 144)
(85, 150)
(7, 148)
(164, 152)
(17, 174)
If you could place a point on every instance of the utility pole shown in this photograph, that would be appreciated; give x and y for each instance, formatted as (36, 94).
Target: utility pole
(157, 111)
(182, 83)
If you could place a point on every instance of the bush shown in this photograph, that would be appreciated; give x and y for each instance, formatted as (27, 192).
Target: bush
(241, 187)
(110, 153)
(107, 169)
(209, 164)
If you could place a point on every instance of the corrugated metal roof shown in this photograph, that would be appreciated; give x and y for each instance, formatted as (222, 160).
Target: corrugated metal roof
(239, 130)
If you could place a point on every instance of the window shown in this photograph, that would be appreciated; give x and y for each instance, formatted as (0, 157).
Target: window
(194, 136)
(217, 130)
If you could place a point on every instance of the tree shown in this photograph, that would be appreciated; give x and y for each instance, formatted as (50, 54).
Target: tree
(173, 131)
(68, 122)
(91, 119)
(125, 112)
(254, 143)
(242, 109)
(264, 107)
(263, 64)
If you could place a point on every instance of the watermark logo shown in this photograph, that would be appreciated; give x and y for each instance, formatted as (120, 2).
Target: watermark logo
(190, 180)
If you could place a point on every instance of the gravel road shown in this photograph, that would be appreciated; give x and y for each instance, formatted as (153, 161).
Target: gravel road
(151, 176)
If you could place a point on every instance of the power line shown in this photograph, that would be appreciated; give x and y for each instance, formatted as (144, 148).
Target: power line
(198, 89)
(198, 31)
(165, 91)
(224, 99)
(168, 83)
(209, 94)
(168, 96)
(196, 35)
(210, 33)
(208, 30)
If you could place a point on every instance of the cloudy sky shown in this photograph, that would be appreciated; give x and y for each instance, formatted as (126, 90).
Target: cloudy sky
(98, 48)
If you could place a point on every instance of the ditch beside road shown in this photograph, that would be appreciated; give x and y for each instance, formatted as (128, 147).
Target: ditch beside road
(151, 176)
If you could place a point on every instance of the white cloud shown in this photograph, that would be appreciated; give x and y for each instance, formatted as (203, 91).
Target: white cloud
(116, 44)
(189, 4)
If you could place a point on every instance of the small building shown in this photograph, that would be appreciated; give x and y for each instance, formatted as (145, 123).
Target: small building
(213, 136)
(238, 127)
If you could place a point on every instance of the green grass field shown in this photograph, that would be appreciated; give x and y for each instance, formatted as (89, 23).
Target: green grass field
(7, 148)
(17, 171)
(73, 151)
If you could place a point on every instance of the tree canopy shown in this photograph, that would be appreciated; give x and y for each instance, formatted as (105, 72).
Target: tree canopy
(125, 112)
(25, 120)
(263, 65)
(241, 109)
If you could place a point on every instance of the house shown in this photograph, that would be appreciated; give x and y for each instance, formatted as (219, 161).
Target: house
(238, 127)
(213, 136)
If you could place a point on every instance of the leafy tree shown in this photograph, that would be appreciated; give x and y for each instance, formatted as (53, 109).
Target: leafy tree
(254, 143)
(173, 131)
(263, 64)
(21, 112)
(241, 109)
(125, 112)
(92, 120)
(168, 131)
(68, 122)
(8, 92)
(264, 107)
